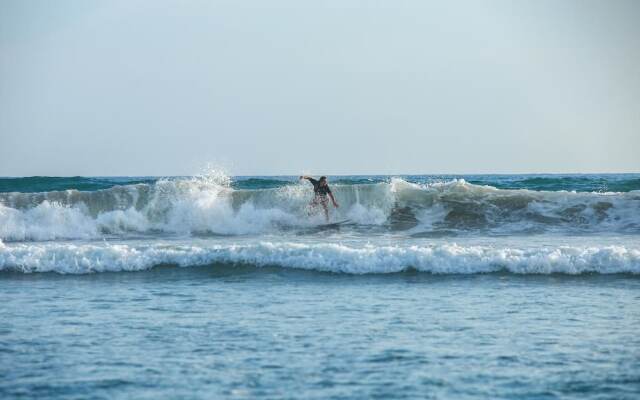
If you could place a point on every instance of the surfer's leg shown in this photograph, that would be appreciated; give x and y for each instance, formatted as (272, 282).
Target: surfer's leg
(315, 205)
(326, 209)
(311, 207)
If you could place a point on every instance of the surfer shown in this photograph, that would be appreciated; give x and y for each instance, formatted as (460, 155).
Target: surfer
(321, 190)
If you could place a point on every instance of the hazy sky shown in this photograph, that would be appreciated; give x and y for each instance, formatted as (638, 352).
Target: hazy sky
(327, 87)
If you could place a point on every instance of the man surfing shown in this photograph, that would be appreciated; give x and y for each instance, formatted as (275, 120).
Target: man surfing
(321, 190)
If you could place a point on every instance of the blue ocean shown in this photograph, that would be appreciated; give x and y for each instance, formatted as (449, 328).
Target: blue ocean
(212, 286)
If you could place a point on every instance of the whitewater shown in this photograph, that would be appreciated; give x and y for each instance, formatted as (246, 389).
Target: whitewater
(524, 224)
(213, 286)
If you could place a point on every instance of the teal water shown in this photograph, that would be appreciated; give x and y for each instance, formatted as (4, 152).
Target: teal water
(443, 287)
(551, 182)
(240, 332)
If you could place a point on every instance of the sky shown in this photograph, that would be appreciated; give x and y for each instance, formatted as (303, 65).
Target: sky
(326, 87)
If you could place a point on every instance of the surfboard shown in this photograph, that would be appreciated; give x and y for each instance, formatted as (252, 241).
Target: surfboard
(334, 224)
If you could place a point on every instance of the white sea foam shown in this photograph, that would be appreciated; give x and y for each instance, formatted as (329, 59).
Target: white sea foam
(46, 221)
(74, 258)
(208, 204)
(198, 205)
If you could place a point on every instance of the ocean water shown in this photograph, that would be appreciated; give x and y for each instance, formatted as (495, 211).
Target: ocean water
(465, 287)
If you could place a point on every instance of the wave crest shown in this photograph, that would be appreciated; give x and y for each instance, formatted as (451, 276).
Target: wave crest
(209, 205)
(328, 257)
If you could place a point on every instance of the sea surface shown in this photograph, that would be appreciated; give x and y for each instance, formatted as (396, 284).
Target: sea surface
(444, 287)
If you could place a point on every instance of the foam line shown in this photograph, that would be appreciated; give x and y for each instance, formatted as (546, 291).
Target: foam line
(70, 258)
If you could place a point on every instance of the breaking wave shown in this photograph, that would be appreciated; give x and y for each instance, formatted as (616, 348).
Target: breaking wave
(211, 205)
(70, 258)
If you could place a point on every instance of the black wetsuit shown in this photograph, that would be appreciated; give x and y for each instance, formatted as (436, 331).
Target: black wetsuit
(319, 190)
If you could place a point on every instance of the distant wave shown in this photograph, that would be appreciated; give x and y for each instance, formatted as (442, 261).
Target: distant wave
(538, 182)
(35, 184)
(70, 258)
(578, 183)
(210, 205)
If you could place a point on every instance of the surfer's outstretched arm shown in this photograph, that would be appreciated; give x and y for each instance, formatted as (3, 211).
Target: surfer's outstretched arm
(310, 179)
